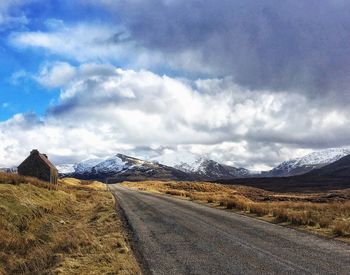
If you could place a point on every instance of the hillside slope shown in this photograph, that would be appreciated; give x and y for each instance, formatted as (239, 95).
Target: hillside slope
(307, 163)
(211, 170)
(121, 167)
(201, 167)
(44, 230)
(337, 169)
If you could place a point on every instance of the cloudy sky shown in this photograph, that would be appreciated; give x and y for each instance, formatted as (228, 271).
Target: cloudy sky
(247, 83)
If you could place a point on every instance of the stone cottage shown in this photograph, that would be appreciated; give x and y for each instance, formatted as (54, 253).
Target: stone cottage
(38, 165)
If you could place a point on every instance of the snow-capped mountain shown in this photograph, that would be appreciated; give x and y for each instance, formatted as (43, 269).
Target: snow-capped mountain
(201, 167)
(212, 170)
(86, 166)
(121, 167)
(65, 168)
(337, 169)
(82, 167)
(9, 170)
(181, 167)
(309, 162)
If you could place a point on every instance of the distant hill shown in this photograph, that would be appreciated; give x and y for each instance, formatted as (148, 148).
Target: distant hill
(303, 165)
(201, 167)
(11, 170)
(337, 169)
(291, 175)
(121, 168)
(210, 169)
(330, 177)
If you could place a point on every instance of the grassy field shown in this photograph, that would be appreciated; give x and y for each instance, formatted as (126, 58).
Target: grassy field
(325, 213)
(69, 229)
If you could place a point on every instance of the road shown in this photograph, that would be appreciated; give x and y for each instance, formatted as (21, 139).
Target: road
(174, 236)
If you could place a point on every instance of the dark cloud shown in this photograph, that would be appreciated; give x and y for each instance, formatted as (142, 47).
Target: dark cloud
(272, 44)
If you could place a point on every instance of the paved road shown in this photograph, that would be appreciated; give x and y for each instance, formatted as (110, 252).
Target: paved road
(174, 236)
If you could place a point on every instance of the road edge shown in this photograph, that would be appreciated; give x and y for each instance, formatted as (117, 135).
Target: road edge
(130, 234)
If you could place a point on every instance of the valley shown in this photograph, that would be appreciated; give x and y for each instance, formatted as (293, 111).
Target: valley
(174, 137)
(168, 217)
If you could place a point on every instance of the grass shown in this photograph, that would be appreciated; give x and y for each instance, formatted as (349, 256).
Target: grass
(326, 213)
(72, 228)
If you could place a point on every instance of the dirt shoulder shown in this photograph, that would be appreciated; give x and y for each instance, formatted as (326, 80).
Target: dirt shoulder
(71, 229)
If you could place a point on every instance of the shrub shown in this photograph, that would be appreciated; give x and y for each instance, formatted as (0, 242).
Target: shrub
(342, 228)
(259, 209)
(210, 199)
(175, 193)
(196, 197)
(230, 204)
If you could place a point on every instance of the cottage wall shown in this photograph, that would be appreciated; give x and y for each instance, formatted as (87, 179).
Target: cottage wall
(34, 166)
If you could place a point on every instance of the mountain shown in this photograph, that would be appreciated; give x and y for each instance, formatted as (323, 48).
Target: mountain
(333, 176)
(11, 170)
(86, 166)
(210, 169)
(187, 166)
(203, 168)
(307, 163)
(121, 167)
(65, 168)
(337, 169)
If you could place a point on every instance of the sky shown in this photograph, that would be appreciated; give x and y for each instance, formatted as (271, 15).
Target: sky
(246, 83)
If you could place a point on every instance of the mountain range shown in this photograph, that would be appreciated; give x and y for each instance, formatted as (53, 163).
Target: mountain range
(9, 170)
(337, 169)
(333, 176)
(201, 167)
(188, 166)
(123, 167)
(307, 163)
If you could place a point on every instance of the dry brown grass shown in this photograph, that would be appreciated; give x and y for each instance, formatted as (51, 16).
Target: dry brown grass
(70, 229)
(324, 213)
(15, 179)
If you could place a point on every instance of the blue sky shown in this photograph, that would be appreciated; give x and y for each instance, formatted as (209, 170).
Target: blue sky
(19, 92)
(246, 83)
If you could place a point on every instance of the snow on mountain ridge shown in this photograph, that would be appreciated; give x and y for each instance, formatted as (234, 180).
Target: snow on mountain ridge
(196, 166)
(86, 166)
(185, 162)
(200, 165)
(324, 156)
(65, 168)
(310, 161)
(174, 158)
(112, 164)
(108, 165)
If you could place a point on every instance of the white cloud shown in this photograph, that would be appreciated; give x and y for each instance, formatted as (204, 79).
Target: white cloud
(86, 42)
(8, 16)
(17, 76)
(97, 42)
(56, 74)
(103, 110)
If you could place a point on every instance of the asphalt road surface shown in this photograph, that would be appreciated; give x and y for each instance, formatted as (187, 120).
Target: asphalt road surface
(174, 236)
